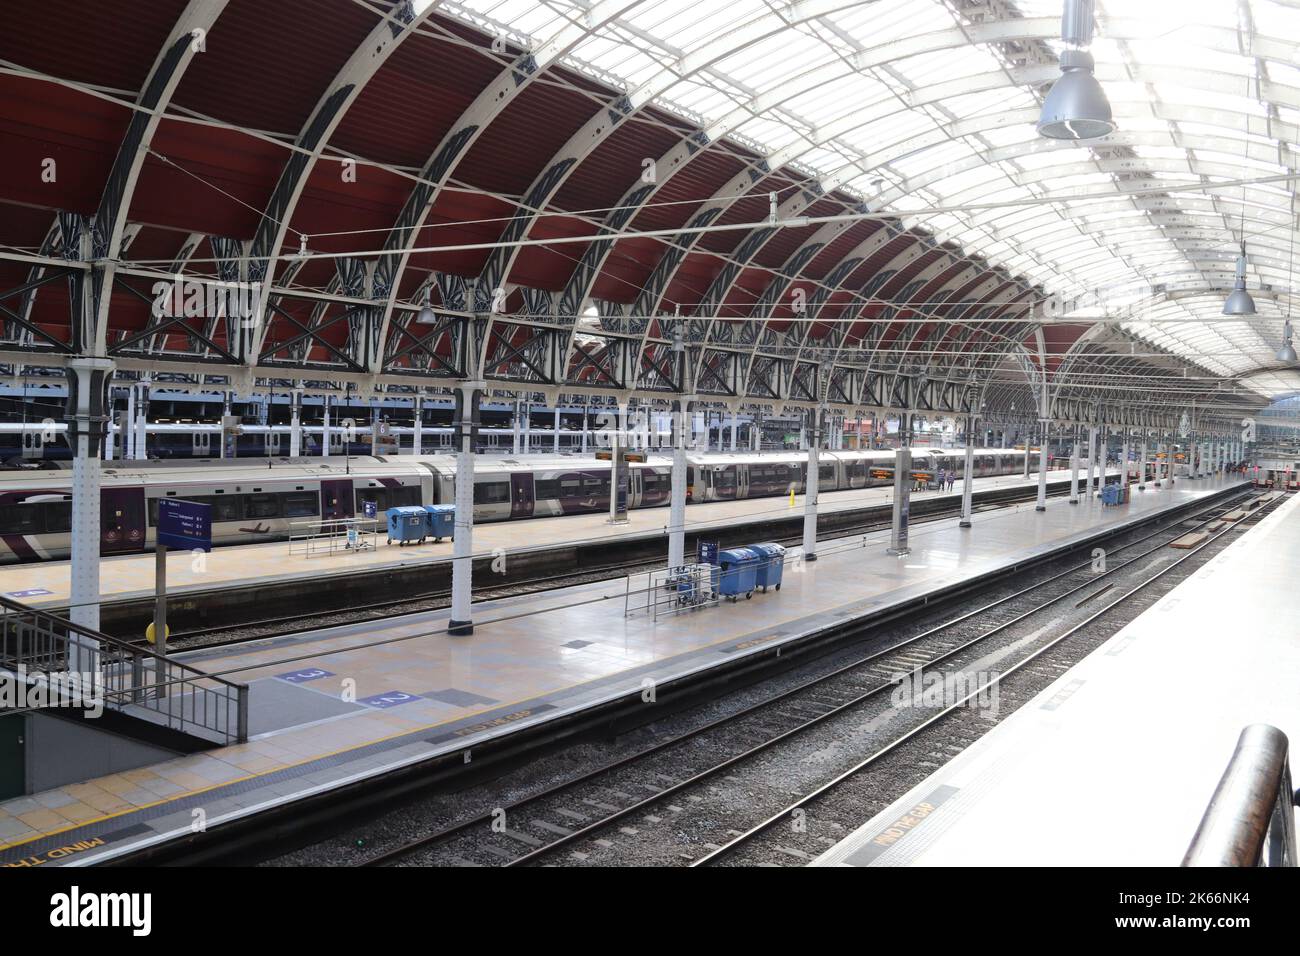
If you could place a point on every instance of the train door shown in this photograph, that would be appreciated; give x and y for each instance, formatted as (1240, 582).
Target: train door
(121, 520)
(201, 445)
(521, 494)
(336, 498)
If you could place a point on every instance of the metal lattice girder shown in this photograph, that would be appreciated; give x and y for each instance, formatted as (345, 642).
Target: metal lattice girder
(178, 51)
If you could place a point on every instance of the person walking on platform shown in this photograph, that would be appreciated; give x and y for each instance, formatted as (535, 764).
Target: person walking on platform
(952, 479)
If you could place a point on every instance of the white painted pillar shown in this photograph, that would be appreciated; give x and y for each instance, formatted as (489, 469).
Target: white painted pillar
(140, 447)
(417, 425)
(1074, 473)
(812, 486)
(87, 386)
(1142, 474)
(1123, 461)
(968, 478)
(464, 423)
(128, 429)
(295, 423)
(734, 426)
(325, 425)
(1092, 461)
(527, 408)
(677, 494)
(1042, 469)
(555, 429)
(898, 534)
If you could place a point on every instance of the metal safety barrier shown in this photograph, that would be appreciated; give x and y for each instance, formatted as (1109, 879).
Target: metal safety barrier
(63, 664)
(672, 590)
(1251, 818)
(310, 539)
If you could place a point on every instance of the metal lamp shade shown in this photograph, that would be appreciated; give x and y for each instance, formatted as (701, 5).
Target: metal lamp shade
(1076, 107)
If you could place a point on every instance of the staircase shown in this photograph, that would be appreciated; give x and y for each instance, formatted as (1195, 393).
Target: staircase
(56, 667)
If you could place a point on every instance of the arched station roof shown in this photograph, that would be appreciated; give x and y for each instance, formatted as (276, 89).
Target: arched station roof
(573, 184)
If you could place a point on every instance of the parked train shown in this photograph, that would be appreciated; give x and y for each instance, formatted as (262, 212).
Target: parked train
(36, 445)
(253, 503)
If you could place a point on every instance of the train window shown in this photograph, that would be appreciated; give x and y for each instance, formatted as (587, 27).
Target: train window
(263, 506)
(405, 495)
(223, 508)
(58, 516)
(300, 504)
(491, 492)
(825, 472)
(378, 495)
(725, 478)
(20, 519)
(548, 488)
(570, 487)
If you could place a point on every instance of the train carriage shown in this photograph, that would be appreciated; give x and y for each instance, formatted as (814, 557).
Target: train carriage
(270, 500)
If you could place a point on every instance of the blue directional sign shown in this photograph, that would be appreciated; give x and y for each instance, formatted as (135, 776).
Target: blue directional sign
(186, 525)
(707, 552)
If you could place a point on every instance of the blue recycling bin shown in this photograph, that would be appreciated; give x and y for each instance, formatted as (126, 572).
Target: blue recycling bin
(442, 521)
(771, 564)
(407, 523)
(739, 567)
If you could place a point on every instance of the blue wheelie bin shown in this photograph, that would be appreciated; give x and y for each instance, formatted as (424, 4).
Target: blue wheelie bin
(442, 521)
(407, 523)
(771, 564)
(739, 568)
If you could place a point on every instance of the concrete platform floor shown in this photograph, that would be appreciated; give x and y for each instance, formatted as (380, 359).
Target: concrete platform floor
(46, 584)
(339, 705)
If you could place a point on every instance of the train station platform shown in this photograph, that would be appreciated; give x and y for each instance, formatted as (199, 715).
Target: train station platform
(340, 706)
(259, 568)
(1114, 763)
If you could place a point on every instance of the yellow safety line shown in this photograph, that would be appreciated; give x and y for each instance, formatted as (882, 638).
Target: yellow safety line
(307, 760)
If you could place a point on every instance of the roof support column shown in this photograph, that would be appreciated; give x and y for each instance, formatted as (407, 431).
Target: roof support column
(417, 426)
(1142, 473)
(812, 484)
(465, 427)
(968, 477)
(1092, 461)
(1123, 461)
(902, 488)
(86, 415)
(1042, 466)
(1074, 468)
(677, 495)
(295, 423)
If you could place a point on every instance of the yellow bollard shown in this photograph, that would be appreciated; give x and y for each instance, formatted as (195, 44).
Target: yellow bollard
(792, 497)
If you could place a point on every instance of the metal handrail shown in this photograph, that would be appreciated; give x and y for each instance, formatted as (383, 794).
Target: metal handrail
(1251, 818)
(133, 680)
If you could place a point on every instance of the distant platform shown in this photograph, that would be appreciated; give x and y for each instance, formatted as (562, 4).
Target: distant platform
(422, 696)
(46, 584)
(1115, 762)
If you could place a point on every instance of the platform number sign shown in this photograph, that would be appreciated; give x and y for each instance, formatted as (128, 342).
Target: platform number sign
(185, 525)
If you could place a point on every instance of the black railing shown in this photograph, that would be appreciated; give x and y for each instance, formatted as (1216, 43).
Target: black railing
(76, 666)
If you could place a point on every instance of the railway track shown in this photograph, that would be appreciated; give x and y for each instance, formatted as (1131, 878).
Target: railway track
(668, 785)
(283, 625)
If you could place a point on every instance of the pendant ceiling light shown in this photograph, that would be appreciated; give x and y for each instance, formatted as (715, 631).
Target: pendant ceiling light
(426, 316)
(1239, 301)
(1076, 107)
(1287, 352)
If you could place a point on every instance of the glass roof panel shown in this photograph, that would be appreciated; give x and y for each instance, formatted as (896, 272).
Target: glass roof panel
(1205, 93)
